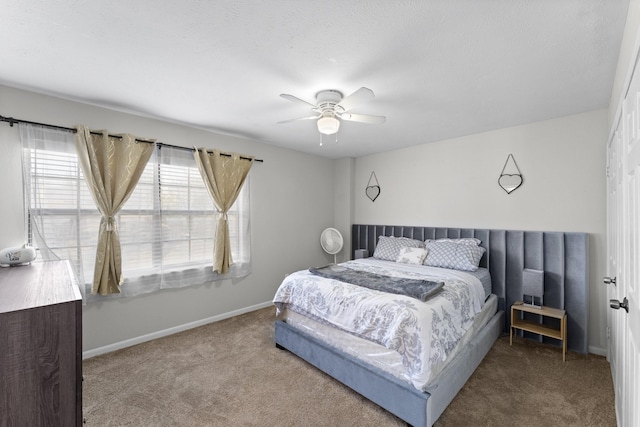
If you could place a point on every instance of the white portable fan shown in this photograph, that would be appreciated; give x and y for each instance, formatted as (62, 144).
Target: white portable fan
(331, 241)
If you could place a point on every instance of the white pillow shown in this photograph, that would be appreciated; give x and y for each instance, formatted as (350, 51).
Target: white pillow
(412, 255)
(388, 247)
(454, 255)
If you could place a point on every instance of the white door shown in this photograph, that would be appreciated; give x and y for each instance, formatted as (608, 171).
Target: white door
(625, 321)
(614, 249)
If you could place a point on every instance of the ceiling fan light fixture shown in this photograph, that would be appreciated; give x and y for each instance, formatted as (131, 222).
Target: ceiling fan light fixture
(328, 125)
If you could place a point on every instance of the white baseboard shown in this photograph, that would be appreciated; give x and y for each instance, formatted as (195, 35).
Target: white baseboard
(597, 350)
(163, 333)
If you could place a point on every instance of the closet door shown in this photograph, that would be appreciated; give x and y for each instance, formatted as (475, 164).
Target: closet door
(614, 249)
(626, 301)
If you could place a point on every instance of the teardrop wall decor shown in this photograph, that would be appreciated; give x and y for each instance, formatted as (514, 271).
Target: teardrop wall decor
(373, 190)
(509, 182)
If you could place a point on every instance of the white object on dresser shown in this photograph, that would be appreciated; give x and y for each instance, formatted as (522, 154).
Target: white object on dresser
(18, 255)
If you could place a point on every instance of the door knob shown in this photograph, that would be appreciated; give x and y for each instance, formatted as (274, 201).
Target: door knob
(615, 304)
(609, 280)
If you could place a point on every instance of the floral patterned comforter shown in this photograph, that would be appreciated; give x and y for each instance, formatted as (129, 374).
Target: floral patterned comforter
(423, 333)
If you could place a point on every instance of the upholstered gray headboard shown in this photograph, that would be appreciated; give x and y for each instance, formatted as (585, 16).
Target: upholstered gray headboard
(564, 258)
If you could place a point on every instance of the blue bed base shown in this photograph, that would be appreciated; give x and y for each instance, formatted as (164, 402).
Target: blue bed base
(419, 409)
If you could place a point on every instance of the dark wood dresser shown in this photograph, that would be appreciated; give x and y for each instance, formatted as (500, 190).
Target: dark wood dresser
(40, 345)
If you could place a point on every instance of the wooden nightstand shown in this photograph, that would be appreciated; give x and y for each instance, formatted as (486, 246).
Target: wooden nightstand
(518, 323)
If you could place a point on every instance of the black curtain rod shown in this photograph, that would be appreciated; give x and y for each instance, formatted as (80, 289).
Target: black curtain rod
(13, 121)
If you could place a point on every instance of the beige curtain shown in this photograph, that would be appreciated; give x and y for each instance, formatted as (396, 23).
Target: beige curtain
(223, 175)
(112, 167)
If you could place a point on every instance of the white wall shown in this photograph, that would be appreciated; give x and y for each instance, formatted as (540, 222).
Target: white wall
(343, 175)
(453, 183)
(291, 203)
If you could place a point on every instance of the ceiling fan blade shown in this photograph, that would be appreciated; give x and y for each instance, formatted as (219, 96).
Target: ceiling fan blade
(299, 118)
(297, 100)
(360, 96)
(363, 118)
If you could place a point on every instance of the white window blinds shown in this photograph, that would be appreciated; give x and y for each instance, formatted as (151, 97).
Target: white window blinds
(166, 228)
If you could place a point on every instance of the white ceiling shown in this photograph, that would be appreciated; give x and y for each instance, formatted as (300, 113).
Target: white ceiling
(439, 68)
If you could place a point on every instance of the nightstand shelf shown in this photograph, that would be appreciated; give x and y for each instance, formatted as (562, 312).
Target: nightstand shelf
(526, 325)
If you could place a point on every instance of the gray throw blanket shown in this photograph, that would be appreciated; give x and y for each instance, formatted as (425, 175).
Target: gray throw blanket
(420, 289)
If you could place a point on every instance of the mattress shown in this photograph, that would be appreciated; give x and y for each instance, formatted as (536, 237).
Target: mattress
(485, 279)
(387, 360)
(304, 301)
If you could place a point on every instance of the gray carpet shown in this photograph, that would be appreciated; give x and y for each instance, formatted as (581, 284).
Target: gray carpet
(229, 373)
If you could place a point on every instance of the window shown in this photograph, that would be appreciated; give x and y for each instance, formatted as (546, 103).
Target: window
(166, 228)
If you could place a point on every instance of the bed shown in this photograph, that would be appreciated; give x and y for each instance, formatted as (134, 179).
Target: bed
(417, 385)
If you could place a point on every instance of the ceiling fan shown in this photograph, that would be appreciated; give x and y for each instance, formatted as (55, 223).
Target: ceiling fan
(331, 107)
